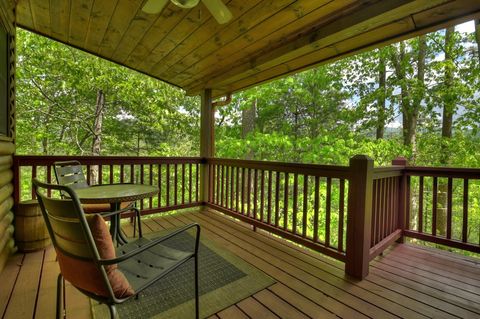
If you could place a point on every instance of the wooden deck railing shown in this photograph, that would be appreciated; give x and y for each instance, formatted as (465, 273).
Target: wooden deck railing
(176, 177)
(351, 213)
(438, 206)
(301, 202)
(387, 211)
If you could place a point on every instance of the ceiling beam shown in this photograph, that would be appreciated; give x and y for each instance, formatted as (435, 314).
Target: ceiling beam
(367, 17)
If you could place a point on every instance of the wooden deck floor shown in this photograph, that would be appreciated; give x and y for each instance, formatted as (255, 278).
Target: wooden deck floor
(407, 282)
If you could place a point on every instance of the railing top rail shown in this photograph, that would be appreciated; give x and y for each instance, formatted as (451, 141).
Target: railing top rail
(387, 171)
(470, 173)
(299, 168)
(26, 160)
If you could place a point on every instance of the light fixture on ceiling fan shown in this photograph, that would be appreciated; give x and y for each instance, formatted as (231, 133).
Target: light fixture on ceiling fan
(216, 7)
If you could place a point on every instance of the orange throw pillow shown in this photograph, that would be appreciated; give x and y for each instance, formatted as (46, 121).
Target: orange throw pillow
(85, 275)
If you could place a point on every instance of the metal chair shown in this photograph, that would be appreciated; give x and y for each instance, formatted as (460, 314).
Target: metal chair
(70, 173)
(142, 262)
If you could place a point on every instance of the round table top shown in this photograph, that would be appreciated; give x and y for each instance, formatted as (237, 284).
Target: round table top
(114, 193)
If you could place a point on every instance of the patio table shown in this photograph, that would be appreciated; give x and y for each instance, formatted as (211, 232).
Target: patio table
(115, 194)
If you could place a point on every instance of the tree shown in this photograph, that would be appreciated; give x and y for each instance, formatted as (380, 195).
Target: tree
(411, 86)
(381, 99)
(58, 101)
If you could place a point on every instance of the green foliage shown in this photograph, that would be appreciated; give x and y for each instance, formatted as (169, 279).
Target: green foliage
(56, 99)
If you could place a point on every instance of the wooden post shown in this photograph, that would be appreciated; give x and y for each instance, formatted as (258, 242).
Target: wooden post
(402, 199)
(359, 216)
(207, 141)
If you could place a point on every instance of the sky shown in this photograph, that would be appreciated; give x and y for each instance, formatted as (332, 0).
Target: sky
(466, 27)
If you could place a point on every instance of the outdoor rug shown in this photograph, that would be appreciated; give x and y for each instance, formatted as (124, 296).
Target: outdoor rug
(224, 279)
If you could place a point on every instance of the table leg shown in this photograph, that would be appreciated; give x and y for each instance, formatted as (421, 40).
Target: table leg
(115, 226)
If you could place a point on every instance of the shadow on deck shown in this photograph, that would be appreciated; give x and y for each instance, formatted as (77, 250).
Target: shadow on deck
(407, 281)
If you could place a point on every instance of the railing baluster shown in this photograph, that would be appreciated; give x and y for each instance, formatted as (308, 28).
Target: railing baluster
(100, 174)
(34, 175)
(197, 180)
(378, 210)
(167, 186)
(295, 203)
(237, 187)
(407, 202)
(449, 208)
(142, 177)
(111, 174)
(277, 198)
(217, 185)
(255, 189)
(213, 168)
(183, 183)
(262, 194)
(249, 184)
(49, 178)
(388, 211)
(175, 184)
(341, 214)
(434, 206)
(121, 173)
(150, 200)
(316, 207)
(387, 207)
(222, 184)
(269, 198)
(132, 173)
(232, 185)
(465, 211)
(227, 184)
(305, 205)
(190, 182)
(88, 174)
(285, 202)
(396, 190)
(159, 168)
(374, 230)
(420, 206)
(328, 211)
(243, 191)
(381, 211)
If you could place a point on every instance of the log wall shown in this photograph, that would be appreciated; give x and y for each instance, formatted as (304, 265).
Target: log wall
(7, 142)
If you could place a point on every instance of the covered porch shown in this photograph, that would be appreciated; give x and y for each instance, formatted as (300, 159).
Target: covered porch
(331, 236)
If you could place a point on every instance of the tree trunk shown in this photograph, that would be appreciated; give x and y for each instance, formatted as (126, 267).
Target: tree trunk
(97, 127)
(382, 76)
(248, 124)
(449, 106)
(46, 126)
(419, 92)
(97, 131)
(477, 37)
(408, 121)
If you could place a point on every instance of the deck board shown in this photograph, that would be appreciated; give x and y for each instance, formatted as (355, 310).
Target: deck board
(406, 282)
(24, 295)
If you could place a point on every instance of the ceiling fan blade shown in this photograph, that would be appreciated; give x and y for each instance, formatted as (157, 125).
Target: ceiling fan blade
(154, 6)
(218, 10)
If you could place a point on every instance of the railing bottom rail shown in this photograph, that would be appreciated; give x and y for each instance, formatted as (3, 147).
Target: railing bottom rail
(443, 241)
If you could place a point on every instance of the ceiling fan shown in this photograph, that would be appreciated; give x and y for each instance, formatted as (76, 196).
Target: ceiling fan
(216, 7)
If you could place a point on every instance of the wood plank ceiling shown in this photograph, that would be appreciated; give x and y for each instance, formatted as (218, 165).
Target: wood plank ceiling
(266, 39)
